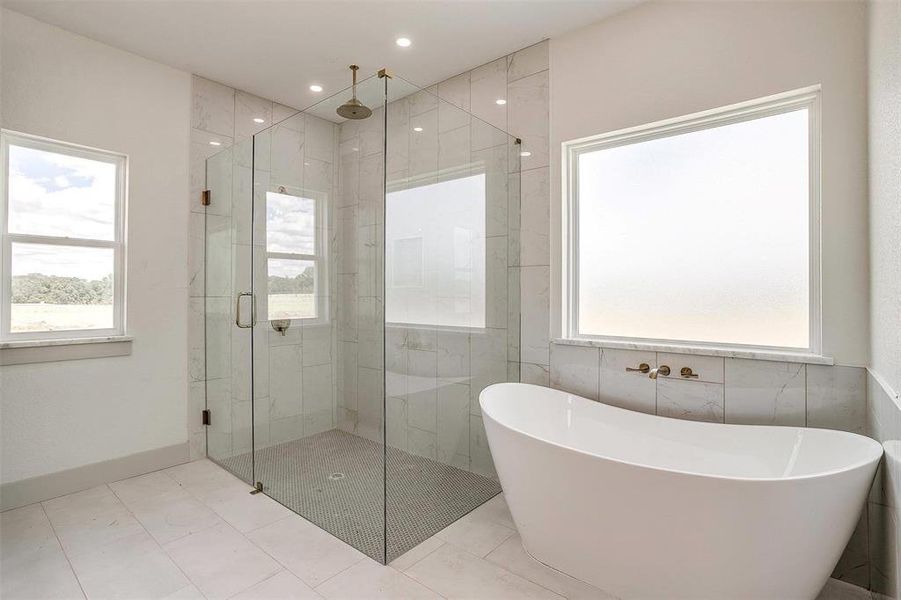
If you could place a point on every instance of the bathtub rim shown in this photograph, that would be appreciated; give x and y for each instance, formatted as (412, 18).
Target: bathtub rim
(870, 442)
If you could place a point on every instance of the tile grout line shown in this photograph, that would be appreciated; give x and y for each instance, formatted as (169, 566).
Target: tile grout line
(267, 578)
(233, 528)
(422, 558)
(491, 563)
(63, 550)
(155, 541)
(257, 583)
(330, 577)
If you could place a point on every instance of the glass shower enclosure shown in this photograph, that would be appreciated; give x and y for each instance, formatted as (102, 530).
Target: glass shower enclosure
(361, 289)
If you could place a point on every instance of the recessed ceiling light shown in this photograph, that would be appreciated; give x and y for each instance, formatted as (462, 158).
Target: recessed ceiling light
(258, 120)
(316, 88)
(215, 143)
(500, 101)
(403, 42)
(417, 129)
(525, 153)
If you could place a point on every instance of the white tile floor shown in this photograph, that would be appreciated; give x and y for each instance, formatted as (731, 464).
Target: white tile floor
(194, 531)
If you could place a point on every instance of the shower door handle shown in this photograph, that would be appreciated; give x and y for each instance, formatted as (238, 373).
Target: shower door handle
(253, 310)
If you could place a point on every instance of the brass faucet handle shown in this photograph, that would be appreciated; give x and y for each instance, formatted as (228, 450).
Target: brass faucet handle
(664, 370)
(642, 368)
(687, 373)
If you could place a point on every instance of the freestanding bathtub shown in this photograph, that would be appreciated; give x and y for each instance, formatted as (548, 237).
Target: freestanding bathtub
(651, 507)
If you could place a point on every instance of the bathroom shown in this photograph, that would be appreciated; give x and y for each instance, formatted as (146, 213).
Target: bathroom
(383, 332)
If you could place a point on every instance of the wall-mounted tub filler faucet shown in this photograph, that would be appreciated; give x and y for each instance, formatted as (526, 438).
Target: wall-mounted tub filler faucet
(661, 370)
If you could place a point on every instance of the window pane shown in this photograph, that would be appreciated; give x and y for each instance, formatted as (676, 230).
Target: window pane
(407, 264)
(290, 224)
(292, 289)
(61, 195)
(435, 254)
(58, 288)
(701, 236)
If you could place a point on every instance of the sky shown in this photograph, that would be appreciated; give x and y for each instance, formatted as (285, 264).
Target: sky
(701, 236)
(59, 195)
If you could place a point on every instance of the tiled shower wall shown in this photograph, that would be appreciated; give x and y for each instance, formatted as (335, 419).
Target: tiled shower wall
(433, 376)
(299, 153)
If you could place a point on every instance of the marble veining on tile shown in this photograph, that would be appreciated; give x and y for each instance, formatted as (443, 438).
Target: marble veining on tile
(765, 393)
(695, 401)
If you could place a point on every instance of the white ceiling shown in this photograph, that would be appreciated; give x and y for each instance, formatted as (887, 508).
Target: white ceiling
(276, 49)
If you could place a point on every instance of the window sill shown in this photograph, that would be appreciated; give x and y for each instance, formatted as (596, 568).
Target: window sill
(54, 350)
(772, 355)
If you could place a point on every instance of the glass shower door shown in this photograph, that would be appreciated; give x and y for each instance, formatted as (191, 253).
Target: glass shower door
(229, 310)
(318, 183)
(451, 305)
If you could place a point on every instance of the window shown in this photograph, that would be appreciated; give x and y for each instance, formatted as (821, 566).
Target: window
(293, 256)
(435, 254)
(63, 242)
(699, 231)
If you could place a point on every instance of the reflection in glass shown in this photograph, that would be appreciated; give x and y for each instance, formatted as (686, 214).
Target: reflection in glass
(435, 261)
(59, 288)
(292, 289)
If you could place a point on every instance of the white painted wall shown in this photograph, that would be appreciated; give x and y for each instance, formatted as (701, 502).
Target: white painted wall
(57, 416)
(663, 60)
(885, 190)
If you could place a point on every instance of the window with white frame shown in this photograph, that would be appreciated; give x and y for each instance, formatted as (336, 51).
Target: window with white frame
(435, 252)
(294, 264)
(63, 240)
(699, 231)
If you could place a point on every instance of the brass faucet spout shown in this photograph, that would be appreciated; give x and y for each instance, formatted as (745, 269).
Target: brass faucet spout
(661, 370)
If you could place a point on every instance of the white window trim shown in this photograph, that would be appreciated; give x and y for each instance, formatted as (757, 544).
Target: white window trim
(118, 244)
(318, 258)
(808, 98)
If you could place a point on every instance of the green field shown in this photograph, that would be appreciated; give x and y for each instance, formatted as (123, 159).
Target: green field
(291, 306)
(54, 317)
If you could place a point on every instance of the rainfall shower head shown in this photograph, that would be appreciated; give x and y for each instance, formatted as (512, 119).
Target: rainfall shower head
(353, 108)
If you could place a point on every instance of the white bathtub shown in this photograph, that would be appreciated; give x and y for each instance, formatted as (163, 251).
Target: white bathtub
(651, 507)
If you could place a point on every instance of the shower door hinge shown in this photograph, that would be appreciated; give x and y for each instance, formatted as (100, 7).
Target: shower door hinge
(257, 488)
(205, 197)
(205, 416)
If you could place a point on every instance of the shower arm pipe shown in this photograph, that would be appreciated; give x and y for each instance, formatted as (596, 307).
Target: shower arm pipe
(353, 88)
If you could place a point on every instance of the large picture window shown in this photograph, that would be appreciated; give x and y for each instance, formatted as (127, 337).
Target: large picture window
(435, 253)
(63, 247)
(699, 231)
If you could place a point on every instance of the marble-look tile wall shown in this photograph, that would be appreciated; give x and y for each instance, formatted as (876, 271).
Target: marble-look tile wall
(293, 378)
(433, 375)
(883, 419)
(731, 390)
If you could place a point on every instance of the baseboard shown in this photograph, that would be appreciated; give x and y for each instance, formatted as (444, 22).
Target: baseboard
(43, 487)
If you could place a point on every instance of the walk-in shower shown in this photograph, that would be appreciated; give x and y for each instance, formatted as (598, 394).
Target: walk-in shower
(362, 288)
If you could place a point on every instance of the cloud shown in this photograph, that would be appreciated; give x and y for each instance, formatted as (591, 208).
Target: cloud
(59, 195)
